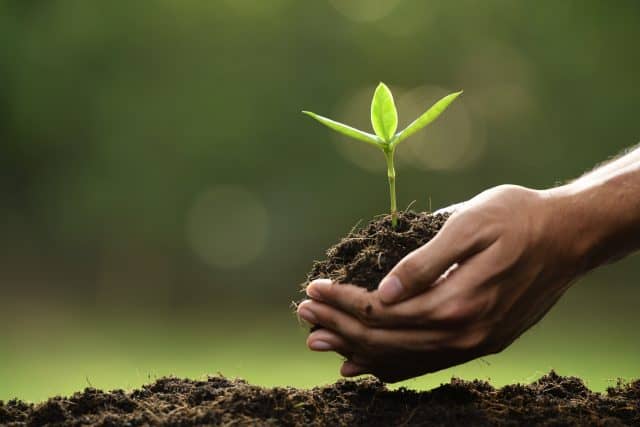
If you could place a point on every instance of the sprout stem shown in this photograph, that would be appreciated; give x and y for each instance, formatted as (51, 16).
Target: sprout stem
(391, 175)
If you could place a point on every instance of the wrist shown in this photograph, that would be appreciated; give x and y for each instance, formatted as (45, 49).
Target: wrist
(597, 220)
(572, 226)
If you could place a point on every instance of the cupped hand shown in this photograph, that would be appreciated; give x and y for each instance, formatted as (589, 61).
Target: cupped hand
(496, 267)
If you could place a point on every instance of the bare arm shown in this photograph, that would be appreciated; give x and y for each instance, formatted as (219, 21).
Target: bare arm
(517, 252)
(628, 157)
(605, 207)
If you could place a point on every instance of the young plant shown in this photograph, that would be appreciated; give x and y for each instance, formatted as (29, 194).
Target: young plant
(384, 118)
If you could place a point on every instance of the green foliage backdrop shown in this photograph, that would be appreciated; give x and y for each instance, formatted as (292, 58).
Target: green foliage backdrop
(154, 161)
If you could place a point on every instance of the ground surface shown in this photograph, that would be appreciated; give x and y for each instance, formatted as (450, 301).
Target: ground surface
(368, 253)
(552, 400)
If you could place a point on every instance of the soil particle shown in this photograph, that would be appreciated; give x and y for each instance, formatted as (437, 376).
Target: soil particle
(367, 254)
(552, 400)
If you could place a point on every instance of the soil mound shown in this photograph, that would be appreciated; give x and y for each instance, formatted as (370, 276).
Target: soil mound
(368, 253)
(552, 400)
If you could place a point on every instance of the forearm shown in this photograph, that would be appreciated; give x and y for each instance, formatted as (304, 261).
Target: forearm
(600, 212)
(628, 157)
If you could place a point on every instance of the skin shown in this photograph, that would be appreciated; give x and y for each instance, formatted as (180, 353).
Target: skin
(498, 265)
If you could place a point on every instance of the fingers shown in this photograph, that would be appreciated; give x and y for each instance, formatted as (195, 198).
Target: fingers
(335, 320)
(362, 339)
(360, 303)
(387, 353)
(352, 299)
(325, 340)
(461, 298)
(417, 271)
(445, 306)
(351, 369)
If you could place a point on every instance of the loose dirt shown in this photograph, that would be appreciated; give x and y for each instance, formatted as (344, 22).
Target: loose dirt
(552, 400)
(368, 253)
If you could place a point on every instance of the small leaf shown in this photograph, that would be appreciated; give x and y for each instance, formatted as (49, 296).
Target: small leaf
(430, 115)
(345, 129)
(384, 116)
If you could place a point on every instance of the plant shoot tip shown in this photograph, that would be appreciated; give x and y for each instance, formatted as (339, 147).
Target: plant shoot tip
(384, 118)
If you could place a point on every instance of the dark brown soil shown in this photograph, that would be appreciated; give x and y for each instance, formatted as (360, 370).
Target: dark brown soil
(552, 400)
(367, 254)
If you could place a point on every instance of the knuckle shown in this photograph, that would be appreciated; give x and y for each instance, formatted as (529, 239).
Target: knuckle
(410, 264)
(409, 267)
(466, 225)
(475, 227)
(457, 311)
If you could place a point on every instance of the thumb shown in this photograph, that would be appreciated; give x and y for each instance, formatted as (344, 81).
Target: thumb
(456, 241)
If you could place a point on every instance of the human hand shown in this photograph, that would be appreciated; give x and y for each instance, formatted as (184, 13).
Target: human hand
(497, 266)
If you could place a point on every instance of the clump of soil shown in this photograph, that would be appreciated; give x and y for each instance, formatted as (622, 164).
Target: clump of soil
(552, 400)
(367, 254)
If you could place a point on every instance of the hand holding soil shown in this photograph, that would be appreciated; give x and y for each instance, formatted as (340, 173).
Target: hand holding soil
(495, 268)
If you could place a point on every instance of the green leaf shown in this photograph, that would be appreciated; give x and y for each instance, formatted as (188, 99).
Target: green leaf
(430, 115)
(384, 116)
(345, 129)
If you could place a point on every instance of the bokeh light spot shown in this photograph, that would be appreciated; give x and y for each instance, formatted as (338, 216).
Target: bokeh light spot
(227, 227)
(449, 143)
(500, 79)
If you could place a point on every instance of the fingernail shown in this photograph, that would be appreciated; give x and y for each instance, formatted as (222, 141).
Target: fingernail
(390, 289)
(307, 315)
(320, 346)
(313, 290)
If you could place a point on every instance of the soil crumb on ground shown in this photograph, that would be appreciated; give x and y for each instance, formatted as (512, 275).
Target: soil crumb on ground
(552, 400)
(367, 254)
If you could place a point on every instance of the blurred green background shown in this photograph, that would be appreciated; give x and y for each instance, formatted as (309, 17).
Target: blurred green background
(162, 197)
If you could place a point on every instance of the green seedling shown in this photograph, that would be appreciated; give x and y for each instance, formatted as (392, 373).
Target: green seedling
(384, 118)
